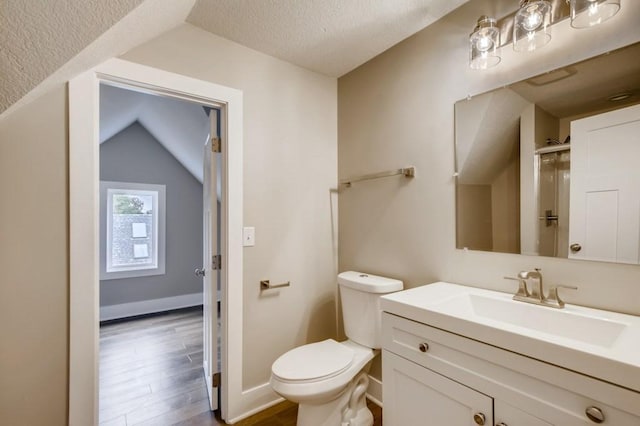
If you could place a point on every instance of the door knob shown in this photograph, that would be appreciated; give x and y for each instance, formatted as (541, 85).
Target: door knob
(575, 247)
(199, 272)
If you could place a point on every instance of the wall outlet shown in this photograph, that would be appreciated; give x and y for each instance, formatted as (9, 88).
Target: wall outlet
(249, 236)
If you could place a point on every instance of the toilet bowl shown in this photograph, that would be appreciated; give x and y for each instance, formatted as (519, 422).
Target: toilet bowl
(329, 379)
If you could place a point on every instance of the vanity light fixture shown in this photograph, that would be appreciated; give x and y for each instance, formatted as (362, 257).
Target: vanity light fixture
(528, 28)
(587, 13)
(531, 25)
(483, 44)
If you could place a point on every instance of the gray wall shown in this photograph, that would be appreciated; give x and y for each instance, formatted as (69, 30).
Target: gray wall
(134, 155)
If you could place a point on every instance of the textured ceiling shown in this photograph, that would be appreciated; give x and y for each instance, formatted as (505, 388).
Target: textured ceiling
(37, 37)
(331, 37)
(44, 43)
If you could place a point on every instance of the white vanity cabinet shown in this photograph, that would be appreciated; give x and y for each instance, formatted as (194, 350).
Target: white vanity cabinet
(433, 377)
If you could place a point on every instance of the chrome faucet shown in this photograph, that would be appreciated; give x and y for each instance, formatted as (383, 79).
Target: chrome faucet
(536, 295)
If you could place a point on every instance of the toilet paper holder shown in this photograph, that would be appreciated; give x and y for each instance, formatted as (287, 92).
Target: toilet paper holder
(266, 285)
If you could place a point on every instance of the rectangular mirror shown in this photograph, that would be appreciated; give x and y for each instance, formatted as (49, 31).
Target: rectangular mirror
(550, 165)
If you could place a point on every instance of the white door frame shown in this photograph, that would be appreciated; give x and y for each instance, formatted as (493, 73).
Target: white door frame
(84, 237)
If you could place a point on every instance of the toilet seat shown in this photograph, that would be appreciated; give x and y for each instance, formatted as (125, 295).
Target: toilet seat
(313, 362)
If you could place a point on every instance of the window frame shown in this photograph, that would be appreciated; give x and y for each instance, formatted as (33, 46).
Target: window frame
(158, 192)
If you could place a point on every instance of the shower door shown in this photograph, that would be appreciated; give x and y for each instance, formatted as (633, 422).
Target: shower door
(553, 195)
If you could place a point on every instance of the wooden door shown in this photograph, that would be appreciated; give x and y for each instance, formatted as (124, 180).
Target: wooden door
(605, 187)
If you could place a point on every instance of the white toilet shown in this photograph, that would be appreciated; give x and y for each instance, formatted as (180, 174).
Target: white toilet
(329, 379)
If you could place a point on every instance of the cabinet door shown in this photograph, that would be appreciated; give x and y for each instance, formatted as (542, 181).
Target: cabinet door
(416, 396)
(508, 415)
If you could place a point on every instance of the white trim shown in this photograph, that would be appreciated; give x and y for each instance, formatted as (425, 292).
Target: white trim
(374, 391)
(256, 399)
(83, 232)
(124, 310)
(83, 250)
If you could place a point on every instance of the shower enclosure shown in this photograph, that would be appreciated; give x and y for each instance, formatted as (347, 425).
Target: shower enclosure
(552, 168)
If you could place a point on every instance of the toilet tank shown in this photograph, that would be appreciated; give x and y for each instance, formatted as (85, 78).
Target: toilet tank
(360, 296)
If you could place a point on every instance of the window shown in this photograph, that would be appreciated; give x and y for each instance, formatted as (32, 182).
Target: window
(133, 219)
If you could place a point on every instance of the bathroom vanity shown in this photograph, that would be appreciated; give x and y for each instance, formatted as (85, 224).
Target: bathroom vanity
(457, 355)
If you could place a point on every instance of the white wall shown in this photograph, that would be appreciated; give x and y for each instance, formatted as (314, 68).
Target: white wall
(290, 165)
(505, 208)
(290, 162)
(398, 109)
(529, 225)
(34, 263)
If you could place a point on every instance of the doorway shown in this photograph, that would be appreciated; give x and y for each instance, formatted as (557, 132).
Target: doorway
(152, 228)
(84, 227)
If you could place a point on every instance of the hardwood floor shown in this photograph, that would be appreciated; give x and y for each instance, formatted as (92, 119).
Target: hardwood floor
(151, 374)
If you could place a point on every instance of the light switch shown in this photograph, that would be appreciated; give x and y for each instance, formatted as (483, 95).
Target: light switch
(249, 236)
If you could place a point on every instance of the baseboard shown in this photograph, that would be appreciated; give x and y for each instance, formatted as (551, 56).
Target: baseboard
(131, 309)
(262, 397)
(374, 391)
(255, 400)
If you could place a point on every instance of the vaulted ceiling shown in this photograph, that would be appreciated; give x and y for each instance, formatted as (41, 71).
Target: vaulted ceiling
(331, 37)
(180, 127)
(45, 43)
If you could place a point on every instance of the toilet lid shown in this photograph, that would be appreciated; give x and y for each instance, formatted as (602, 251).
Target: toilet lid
(313, 361)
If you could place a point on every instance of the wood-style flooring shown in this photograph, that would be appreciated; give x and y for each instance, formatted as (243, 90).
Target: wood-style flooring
(151, 374)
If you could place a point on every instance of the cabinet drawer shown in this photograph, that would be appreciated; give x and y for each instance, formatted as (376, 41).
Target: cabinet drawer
(554, 394)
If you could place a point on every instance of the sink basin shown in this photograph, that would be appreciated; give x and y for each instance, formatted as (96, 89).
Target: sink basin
(598, 343)
(566, 324)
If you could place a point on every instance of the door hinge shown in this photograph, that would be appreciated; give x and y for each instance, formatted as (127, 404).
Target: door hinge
(215, 382)
(216, 262)
(216, 145)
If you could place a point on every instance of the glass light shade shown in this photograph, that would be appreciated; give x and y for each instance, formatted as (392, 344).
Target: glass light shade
(531, 25)
(483, 44)
(587, 13)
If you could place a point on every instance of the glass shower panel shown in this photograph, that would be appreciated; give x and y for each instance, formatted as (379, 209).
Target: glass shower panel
(553, 203)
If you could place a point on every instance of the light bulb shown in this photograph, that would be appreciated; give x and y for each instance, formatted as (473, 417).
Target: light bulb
(483, 44)
(531, 25)
(533, 20)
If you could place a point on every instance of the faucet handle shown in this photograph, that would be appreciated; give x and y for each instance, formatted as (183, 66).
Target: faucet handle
(554, 297)
(522, 286)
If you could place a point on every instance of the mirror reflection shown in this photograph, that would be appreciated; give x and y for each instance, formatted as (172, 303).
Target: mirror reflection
(550, 165)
